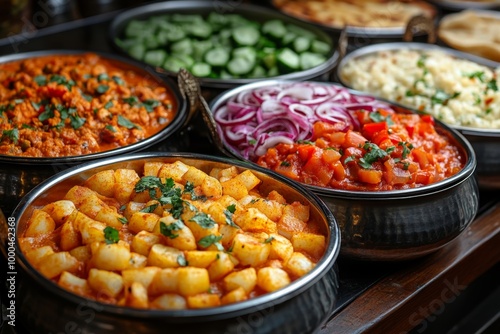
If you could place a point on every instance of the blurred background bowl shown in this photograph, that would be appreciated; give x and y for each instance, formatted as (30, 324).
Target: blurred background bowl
(398, 224)
(251, 12)
(18, 174)
(300, 307)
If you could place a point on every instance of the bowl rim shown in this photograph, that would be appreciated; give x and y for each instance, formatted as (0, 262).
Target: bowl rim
(117, 26)
(177, 122)
(210, 314)
(395, 46)
(450, 182)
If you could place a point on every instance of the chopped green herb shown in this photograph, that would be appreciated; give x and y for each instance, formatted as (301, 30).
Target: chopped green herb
(150, 104)
(377, 117)
(488, 111)
(181, 260)
(479, 75)
(118, 80)
(477, 99)
(108, 105)
(349, 159)
(48, 113)
(36, 106)
(41, 80)
(101, 89)
(123, 220)
(76, 121)
(12, 134)
(421, 61)
(441, 97)
(189, 189)
(110, 128)
(150, 208)
(406, 149)
(111, 235)
(229, 215)
(126, 123)
(252, 142)
(203, 220)
(268, 240)
(285, 163)
(27, 126)
(209, 240)
(102, 77)
(373, 154)
(87, 97)
(168, 230)
(306, 142)
(406, 164)
(131, 100)
(492, 84)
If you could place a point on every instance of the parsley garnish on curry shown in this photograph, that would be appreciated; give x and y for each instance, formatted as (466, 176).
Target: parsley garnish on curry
(68, 105)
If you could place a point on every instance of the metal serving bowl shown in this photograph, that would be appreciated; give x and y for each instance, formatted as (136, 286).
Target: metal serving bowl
(257, 13)
(397, 224)
(484, 141)
(19, 174)
(300, 307)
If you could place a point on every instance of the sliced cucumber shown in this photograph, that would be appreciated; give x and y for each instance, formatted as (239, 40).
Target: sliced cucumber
(217, 57)
(155, 57)
(309, 60)
(201, 70)
(246, 35)
(287, 61)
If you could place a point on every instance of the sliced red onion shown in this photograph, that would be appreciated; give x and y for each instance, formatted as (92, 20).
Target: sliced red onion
(258, 119)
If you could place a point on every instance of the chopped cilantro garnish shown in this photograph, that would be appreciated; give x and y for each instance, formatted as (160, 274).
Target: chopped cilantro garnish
(125, 122)
(181, 260)
(110, 128)
(123, 220)
(41, 80)
(252, 142)
(101, 89)
(373, 154)
(441, 97)
(150, 104)
(76, 121)
(168, 230)
(118, 80)
(492, 84)
(111, 235)
(203, 220)
(102, 77)
(12, 134)
(87, 97)
(48, 113)
(131, 100)
(268, 240)
(349, 159)
(211, 240)
(229, 215)
(150, 208)
(406, 149)
(285, 163)
(479, 75)
(189, 189)
(108, 105)
(377, 117)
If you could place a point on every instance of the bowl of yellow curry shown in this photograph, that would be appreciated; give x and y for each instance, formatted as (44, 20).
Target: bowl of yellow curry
(181, 241)
(61, 108)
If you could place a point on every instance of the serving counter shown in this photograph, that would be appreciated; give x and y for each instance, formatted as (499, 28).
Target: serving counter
(373, 297)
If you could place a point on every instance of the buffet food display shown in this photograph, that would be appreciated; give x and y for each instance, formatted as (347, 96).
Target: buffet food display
(379, 153)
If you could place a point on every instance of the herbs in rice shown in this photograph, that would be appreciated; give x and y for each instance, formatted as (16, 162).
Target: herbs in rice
(456, 91)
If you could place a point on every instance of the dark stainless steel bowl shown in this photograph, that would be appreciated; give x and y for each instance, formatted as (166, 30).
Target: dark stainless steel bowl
(301, 307)
(484, 141)
(257, 13)
(19, 174)
(397, 224)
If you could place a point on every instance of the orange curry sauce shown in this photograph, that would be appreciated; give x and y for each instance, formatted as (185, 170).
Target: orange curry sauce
(392, 151)
(69, 105)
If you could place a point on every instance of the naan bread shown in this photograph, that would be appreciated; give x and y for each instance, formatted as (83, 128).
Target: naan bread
(476, 32)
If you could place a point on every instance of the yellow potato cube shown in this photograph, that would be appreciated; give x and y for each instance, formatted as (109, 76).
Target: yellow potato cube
(272, 209)
(105, 282)
(220, 267)
(142, 221)
(53, 265)
(276, 196)
(137, 296)
(40, 223)
(281, 248)
(195, 176)
(228, 233)
(137, 261)
(272, 279)
(142, 275)
(70, 237)
(250, 251)
(169, 301)
(299, 265)
(131, 208)
(111, 256)
(174, 171)
(310, 243)
(35, 255)
(175, 233)
(143, 241)
(125, 180)
(74, 283)
(192, 281)
(81, 253)
(60, 211)
(289, 225)
(90, 230)
(200, 259)
(252, 220)
(164, 257)
(152, 168)
(211, 187)
(234, 188)
(102, 182)
(164, 281)
(203, 300)
(227, 173)
(245, 279)
(234, 296)
(297, 210)
(216, 211)
(248, 179)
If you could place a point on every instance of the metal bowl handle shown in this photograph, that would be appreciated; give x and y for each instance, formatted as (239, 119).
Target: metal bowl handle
(190, 89)
(418, 24)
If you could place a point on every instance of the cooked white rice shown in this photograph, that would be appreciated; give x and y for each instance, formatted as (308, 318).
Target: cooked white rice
(455, 91)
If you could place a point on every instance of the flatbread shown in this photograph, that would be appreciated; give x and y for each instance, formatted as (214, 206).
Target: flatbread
(356, 13)
(476, 32)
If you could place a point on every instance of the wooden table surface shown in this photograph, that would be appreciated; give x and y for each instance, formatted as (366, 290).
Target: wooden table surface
(400, 301)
